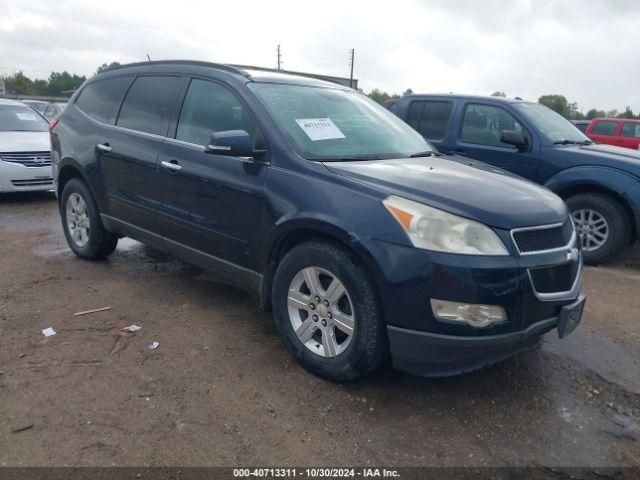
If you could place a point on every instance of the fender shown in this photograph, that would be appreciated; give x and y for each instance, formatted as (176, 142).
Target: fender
(610, 178)
(625, 185)
(310, 222)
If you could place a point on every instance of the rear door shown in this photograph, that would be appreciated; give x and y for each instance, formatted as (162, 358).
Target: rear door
(630, 135)
(129, 152)
(478, 137)
(211, 203)
(431, 118)
(604, 131)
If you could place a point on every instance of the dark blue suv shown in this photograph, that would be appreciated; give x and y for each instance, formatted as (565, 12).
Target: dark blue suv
(600, 183)
(363, 240)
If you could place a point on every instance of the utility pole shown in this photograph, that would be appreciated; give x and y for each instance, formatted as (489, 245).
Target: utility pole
(279, 61)
(351, 58)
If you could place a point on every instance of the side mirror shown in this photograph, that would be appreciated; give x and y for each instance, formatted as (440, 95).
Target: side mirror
(235, 143)
(514, 138)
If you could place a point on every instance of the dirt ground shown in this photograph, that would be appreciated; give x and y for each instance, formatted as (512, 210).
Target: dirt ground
(222, 390)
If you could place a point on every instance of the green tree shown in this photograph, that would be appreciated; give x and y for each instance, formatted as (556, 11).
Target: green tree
(408, 91)
(628, 113)
(19, 83)
(595, 113)
(61, 83)
(612, 113)
(560, 104)
(104, 67)
(379, 96)
(498, 93)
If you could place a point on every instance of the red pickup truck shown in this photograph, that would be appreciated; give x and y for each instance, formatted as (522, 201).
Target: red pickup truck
(615, 131)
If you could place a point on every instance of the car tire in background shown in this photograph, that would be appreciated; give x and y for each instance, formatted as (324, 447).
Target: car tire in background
(602, 225)
(82, 225)
(327, 311)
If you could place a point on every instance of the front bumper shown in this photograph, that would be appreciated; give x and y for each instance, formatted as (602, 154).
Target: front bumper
(15, 177)
(436, 355)
(423, 344)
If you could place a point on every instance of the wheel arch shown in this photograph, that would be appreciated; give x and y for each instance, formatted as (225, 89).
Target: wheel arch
(579, 188)
(296, 232)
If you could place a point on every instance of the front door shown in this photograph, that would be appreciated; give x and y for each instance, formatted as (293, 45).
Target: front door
(212, 204)
(479, 138)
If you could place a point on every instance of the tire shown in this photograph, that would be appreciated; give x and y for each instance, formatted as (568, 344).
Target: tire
(366, 348)
(98, 243)
(615, 220)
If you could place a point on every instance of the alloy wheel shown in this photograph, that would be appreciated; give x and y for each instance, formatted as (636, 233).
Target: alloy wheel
(592, 228)
(78, 222)
(321, 311)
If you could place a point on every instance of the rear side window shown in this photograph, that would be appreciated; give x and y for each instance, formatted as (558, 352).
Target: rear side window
(582, 126)
(101, 99)
(147, 106)
(483, 125)
(430, 119)
(630, 129)
(604, 128)
(209, 107)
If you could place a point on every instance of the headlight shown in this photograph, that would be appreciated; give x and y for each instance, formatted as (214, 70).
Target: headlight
(434, 229)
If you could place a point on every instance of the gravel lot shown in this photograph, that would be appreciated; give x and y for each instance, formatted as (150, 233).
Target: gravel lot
(222, 390)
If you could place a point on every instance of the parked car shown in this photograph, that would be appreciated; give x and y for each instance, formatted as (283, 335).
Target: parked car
(25, 158)
(598, 182)
(581, 124)
(615, 131)
(38, 105)
(362, 239)
(53, 110)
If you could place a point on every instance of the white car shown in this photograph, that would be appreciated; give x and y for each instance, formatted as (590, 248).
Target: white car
(25, 152)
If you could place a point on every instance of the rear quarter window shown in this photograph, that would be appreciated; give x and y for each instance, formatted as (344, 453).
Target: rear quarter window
(101, 99)
(604, 128)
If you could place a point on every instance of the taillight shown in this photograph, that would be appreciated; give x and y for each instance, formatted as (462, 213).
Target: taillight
(52, 124)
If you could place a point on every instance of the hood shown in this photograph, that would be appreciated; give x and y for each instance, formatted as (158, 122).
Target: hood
(24, 142)
(611, 156)
(457, 185)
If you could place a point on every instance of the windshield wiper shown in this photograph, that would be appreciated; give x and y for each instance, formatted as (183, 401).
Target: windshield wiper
(573, 142)
(426, 153)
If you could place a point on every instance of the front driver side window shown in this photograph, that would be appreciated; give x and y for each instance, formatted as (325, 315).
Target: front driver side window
(483, 125)
(209, 107)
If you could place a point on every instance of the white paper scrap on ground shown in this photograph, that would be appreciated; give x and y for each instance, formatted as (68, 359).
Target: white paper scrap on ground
(154, 345)
(319, 128)
(130, 328)
(48, 332)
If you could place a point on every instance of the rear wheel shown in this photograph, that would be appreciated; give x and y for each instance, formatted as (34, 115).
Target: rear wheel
(601, 224)
(82, 225)
(327, 311)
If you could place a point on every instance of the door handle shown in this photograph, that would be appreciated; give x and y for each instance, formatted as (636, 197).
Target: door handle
(172, 165)
(104, 147)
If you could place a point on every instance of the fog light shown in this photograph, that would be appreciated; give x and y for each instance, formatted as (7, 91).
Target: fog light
(473, 314)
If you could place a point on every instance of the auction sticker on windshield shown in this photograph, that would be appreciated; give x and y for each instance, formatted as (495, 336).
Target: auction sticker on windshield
(319, 128)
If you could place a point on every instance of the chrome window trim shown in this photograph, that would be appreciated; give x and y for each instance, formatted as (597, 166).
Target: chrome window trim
(543, 227)
(568, 295)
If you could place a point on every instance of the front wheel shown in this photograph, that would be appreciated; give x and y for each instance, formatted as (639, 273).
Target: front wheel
(327, 311)
(601, 224)
(82, 225)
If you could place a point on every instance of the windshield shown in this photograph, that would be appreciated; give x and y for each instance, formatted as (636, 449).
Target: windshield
(551, 125)
(333, 124)
(16, 118)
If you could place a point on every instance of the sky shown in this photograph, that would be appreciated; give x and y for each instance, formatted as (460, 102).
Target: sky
(586, 50)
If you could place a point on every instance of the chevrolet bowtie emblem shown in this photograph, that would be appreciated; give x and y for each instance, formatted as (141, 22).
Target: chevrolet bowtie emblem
(573, 255)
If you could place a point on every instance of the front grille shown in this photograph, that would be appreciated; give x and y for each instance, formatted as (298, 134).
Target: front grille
(28, 159)
(559, 278)
(540, 239)
(33, 182)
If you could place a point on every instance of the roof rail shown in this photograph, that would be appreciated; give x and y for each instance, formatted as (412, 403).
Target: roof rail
(220, 66)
